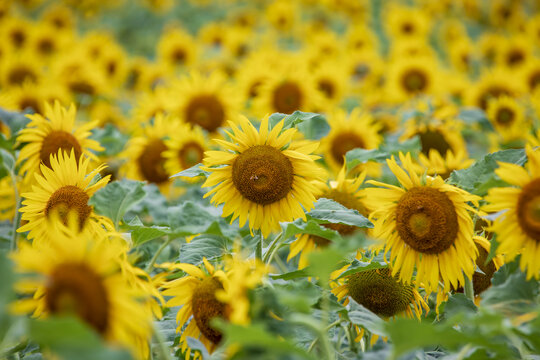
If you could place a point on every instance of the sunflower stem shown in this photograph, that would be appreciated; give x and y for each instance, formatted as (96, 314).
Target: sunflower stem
(158, 252)
(272, 249)
(325, 342)
(469, 289)
(259, 247)
(164, 352)
(350, 338)
(17, 217)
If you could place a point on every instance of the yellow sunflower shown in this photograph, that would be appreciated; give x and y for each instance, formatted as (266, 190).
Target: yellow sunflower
(185, 148)
(347, 132)
(515, 52)
(197, 294)
(424, 224)
(84, 275)
(65, 186)
(518, 227)
(54, 131)
(492, 85)
(146, 153)
(531, 75)
(262, 176)
(347, 192)
(203, 101)
(507, 117)
(411, 76)
(332, 81)
(16, 69)
(176, 49)
(406, 23)
(7, 199)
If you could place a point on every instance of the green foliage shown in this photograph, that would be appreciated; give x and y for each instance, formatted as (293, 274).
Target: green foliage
(333, 212)
(110, 138)
(192, 172)
(115, 199)
(480, 177)
(312, 126)
(359, 156)
(206, 245)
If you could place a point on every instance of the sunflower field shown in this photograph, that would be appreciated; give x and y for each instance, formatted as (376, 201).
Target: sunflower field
(269, 179)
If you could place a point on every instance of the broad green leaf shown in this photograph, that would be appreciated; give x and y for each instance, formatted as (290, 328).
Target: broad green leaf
(459, 303)
(514, 295)
(360, 156)
(255, 337)
(7, 163)
(359, 266)
(333, 212)
(361, 316)
(14, 120)
(205, 245)
(192, 172)
(298, 295)
(292, 275)
(310, 227)
(141, 233)
(70, 339)
(190, 218)
(480, 177)
(323, 262)
(313, 126)
(197, 345)
(473, 115)
(110, 138)
(116, 198)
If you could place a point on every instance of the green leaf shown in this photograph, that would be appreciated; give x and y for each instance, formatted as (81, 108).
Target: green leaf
(360, 156)
(206, 245)
(311, 227)
(112, 139)
(291, 275)
(459, 303)
(71, 339)
(480, 177)
(359, 266)
(515, 295)
(256, 337)
(361, 316)
(115, 199)
(7, 163)
(333, 212)
(141, 233)
(190, 218)
(323, 262)
(14, 120)
(192, 172)
(298, 295)
(313, 126)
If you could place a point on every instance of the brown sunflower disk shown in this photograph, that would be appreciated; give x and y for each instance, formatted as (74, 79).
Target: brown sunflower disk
(206, 307)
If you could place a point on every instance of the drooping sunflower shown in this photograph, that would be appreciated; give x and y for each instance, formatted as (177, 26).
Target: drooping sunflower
(65, 186)
(347, 132)
(197, 294)
(507, 117)
(262, 176)
(426, 224)
(518, 227)
(185, 148)
(347, 192)
(202, 101)
(54, 131)
(84, 274)
(146, 153)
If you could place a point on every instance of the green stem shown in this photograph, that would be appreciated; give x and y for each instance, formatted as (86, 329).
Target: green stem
(164, 351)
(17, 218)
(259, 247)
(272, 249)
(158, 252)
(325, 342)
(350, 338)
(469, 289)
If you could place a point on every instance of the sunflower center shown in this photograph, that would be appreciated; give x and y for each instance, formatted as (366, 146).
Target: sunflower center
(287, 97)
(515, 57)
(81, 86)
(55, 141)
(178, 56)
(327, 88)
(151, 162)
(19, 75)
(45, 46)
(205, 111)
(426, 220)
(528, 209)
(492, 92)
(534, 80)
(433, 139)
(206, 307)
(414, 81)
(482, 281)
(263, 174)
(380, 292)
(505, 116)
(407, 28)
(190, 154)
(344, 142)
(76, 289)
(254, 88)
(29, 103)
(69, 198)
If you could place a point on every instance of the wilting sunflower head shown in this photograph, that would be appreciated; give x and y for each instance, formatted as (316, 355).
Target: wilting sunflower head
(63, 191)
(84, 275)
(264, 176)
(53, 132)
(426, 224)
(518, 228)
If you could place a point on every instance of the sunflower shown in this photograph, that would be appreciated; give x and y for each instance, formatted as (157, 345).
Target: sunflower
(462, 54)
(531, 75)
(20, 68)
(425, 224)
(347, 132)
(492, 85)
(176, 49)
(197, 294)
(406, 23)
(148, 105)
(515, 52)
(7, 199)
(410, 76)
(60, 17)
(66, 185)
(282, 15)
(360, 38)
(443, 165)
(84, 274)
(264, 177)
(249, 78)
(507, 117)
(16, 32)
(46, 135)
(332, 82)
(202, 101)
(518, 227)
(482, 279)
(146, 153)
(347, 192)
(185, 148)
